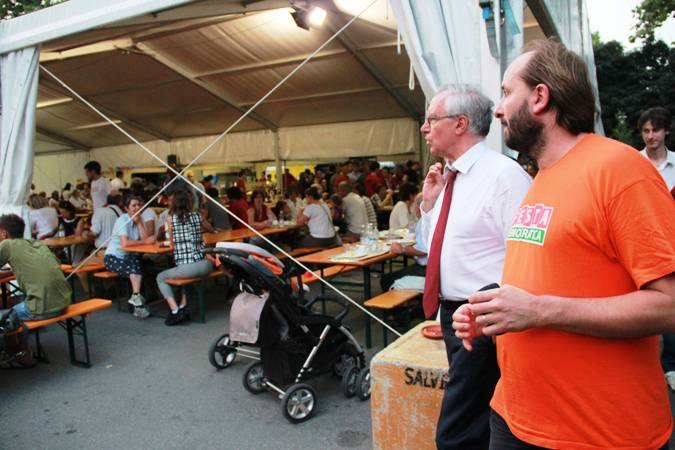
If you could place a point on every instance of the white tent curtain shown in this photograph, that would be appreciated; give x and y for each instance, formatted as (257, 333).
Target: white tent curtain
(18, 96)
(344, 140)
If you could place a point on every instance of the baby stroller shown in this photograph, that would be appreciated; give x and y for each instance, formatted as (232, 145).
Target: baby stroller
(295, 343)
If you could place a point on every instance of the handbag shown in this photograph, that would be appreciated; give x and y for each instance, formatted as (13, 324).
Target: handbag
(14, 351)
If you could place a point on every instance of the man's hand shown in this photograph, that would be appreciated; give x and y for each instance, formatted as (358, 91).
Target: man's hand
(465, 326)
(433, 186)
(149, 240)
(136, 218)
(396, 248)
(505, 309)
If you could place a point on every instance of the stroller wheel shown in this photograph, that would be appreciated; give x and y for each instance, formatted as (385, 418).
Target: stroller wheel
(254, 378)
(342, 363)
(363, 384)
(349, 376)
(298, 403)
(222, 352)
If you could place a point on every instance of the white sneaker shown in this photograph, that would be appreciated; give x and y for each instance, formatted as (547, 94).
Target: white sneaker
(141, 312)
(136, 300)
(670, 379)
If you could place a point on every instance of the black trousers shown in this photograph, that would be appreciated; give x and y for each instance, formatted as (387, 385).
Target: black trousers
(464, 422)
(501, 437)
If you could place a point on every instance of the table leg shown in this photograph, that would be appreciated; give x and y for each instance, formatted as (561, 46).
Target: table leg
(5, 295)
(368, 295)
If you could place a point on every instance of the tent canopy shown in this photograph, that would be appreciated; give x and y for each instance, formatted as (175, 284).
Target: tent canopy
(191, 71)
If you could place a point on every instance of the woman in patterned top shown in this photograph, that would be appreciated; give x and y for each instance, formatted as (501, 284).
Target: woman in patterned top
(184, 230)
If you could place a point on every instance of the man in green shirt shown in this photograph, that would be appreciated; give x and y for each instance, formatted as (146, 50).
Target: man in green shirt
(37, 271)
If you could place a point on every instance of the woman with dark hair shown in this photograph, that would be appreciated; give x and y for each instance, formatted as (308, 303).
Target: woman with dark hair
(73, 226)
(318, 218)
(54, 199)
(66, 191)
(127, 232)
(259, 215)
(402, 216)
(184, 231)
(238, 206)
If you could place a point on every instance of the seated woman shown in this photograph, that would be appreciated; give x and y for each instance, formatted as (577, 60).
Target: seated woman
(238, 207)
(184, 231)
(337, 213)
(74, 226)
(402, 216)
(77, 200)
(283, 211)
(44, 221)
(383, 197)
(259, 215)
(319, 220)
(126, 232)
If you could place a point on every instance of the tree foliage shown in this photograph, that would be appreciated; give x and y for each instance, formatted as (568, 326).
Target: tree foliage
(631, 82)
(14, 8)
(650, 14)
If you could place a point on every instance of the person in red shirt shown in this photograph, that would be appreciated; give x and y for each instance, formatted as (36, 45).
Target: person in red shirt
(373, 179)
(289, 180)
(241, 182)
(238, 206)
(589, 275)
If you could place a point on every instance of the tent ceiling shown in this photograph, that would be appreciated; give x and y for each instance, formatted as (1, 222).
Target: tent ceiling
(193, 77)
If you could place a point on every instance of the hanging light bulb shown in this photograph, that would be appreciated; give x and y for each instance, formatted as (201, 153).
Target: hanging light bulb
(317, 16)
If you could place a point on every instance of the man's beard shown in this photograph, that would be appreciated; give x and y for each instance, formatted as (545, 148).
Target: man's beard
(525, 134)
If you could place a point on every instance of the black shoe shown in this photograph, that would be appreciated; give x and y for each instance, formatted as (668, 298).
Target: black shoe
(184, 313)
(173, 319)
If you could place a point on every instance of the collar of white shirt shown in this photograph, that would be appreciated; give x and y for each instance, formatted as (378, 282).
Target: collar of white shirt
(464, 163)
(670, 158)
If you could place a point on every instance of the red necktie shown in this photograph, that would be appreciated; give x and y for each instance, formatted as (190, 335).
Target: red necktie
(432, 284)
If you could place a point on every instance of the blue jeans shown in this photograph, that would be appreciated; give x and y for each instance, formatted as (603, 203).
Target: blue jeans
(24, 314)
(22, 311)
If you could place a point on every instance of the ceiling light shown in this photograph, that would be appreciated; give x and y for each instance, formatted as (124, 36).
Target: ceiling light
(94, 125)
(317, 16)
(53, 102)
(300, 18)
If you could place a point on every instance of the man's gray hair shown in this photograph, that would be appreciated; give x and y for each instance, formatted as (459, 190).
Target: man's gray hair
(463, 99)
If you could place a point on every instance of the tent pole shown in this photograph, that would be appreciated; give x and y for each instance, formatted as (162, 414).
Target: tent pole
(277, 163)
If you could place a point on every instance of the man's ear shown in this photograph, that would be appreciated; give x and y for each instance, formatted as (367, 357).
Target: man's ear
(540, 98)
(462, 124)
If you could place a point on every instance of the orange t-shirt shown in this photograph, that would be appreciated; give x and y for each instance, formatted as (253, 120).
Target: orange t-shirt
(599, 222)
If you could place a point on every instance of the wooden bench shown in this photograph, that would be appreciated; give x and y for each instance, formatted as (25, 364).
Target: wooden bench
(199, 282)
(73, 321)
(87, 269)
(389, 300)
(6, 290)
(107, 275)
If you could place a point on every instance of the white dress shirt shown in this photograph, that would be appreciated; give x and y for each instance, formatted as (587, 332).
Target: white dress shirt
(487, 193)
(667, 167)
(355, 211)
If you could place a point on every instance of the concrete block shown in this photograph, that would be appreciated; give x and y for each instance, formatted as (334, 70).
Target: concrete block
(408, 378)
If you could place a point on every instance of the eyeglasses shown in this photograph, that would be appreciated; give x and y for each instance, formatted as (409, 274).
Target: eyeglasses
(433, 119)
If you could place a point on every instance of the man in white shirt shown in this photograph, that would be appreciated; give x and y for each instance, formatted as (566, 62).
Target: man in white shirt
(149, 218)
(654, 125)
(487, 192)
(117, 184)
(100, 186)
(355, 211)
(103, 221)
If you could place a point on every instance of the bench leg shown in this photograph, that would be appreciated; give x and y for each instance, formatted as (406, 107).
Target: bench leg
(200, 300)
(77, 327)
(384, 329)
(40, 355)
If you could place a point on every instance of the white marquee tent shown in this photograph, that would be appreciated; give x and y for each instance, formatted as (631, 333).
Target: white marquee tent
(176, 73)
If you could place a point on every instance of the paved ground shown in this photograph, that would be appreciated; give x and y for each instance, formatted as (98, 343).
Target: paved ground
(152, 387)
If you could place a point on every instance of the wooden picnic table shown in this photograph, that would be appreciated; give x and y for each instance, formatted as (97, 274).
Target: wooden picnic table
(65, 241)
(5, 277)
(210, 239)
(323, 258)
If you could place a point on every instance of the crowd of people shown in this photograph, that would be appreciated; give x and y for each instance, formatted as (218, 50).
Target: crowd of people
(564, 354)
